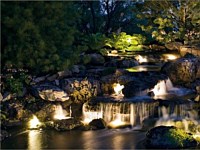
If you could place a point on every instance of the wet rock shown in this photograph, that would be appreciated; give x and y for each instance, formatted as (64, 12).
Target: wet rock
(148, 123)
(97, 124)
(183, 70)
(173, 45)
(45, 112)
(49, 92)
(164, 137)
(67, 124)
(75, 69)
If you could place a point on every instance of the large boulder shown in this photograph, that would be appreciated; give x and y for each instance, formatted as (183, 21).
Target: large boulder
(183, 70)
(164, 137)
(66, 124)
(50, 93)
(96, 59)
(97, 124)
(81, 90)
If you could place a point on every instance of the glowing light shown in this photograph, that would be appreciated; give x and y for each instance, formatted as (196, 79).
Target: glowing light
(60, 114)
(170, 56)
(129, 40)
(34, 123)
(117, 122)
(141, 59)
(118, 89)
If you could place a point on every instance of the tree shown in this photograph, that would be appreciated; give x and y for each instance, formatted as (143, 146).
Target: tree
(39, 35)
(171, 20)
(107, 16)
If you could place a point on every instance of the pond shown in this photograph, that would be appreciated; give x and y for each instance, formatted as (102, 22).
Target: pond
(99, 139)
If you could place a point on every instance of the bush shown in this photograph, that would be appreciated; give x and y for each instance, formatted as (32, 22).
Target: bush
(123, 41)
(39, 36)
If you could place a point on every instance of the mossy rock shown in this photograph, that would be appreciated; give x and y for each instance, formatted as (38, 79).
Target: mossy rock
(169, 137)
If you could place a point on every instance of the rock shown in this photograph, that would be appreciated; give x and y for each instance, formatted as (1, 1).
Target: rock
(183, 70)
(67, 124)
(164, 137)
(157, 47)
(15, 110)
(39, 79)
(1, 97)
(148, 123)
(45, 112)
(197, 98)
(81, 90)
(127, 63)
(97, 124)
(64, 74)
(7, 96)
(96, 59)
(75, 69)
(173, 45)
(52, 77)
(49, 92)
(3, 135)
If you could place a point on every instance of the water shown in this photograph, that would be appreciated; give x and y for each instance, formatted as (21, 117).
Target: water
(117, 114)
(181, 116)
(101, 139)
(61, 114)
(165, 90)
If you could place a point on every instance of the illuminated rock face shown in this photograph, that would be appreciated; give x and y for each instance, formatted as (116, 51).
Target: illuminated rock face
(183, 70)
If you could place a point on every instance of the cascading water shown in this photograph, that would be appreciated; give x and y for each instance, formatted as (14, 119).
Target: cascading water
(165, 89)
(181, 116)
(118, 114)
(61, 114)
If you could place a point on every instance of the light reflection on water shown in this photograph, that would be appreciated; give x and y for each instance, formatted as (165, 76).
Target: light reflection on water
(50, 139)
(34, 140)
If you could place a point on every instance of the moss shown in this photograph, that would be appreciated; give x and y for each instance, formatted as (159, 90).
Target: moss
(178, 137)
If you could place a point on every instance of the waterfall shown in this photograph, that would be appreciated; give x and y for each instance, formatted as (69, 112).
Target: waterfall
(116, 114)
(181, 116)
(164, 89)
(60, 113)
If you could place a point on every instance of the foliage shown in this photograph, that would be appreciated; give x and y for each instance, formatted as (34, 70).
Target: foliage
(39, 35)
(178, 137)
(107, 16)
(95, 42)
(123, 41)
(15, 83)
(171, 20)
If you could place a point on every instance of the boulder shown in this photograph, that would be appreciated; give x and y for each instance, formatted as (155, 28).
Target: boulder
(96, 59)
(183, 70)
(173, 45)
(81, 90)
(66, 124)
(49, 92)
(127, 63)
(64, 74)
(168, 137)
(97, 124)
